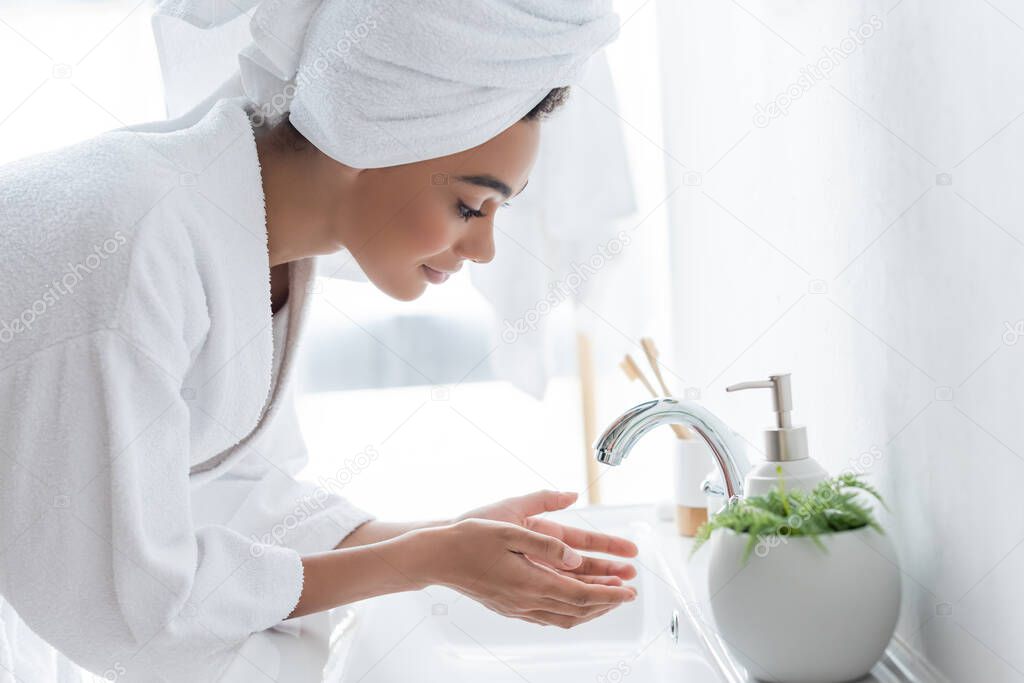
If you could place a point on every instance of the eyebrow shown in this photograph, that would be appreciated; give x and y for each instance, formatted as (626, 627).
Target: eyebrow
(491, 182)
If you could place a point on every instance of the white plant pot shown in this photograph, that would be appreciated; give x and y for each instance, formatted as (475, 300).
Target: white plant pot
(794, 613)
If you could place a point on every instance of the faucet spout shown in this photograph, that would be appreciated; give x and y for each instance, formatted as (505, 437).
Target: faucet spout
(618, 440)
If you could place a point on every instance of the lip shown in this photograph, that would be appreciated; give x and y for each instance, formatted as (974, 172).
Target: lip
(433, 275)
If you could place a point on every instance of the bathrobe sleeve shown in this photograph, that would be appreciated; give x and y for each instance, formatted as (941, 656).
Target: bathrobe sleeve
(262, 498)
(102, 556)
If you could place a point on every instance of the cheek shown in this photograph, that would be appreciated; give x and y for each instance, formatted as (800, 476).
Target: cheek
(396, 239)
(427, 229)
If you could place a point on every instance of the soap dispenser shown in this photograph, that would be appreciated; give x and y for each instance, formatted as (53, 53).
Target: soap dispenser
(786, 455)
(789, 607)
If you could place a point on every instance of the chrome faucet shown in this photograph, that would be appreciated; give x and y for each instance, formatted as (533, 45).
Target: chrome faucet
(620, 437)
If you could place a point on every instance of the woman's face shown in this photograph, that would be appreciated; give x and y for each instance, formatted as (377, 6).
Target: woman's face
(417, 223)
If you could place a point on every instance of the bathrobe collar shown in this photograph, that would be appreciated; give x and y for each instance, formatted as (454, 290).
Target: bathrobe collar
(226, 131)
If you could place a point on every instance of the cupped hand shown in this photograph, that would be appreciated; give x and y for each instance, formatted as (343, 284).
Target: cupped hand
(523, 510)
(487, 561)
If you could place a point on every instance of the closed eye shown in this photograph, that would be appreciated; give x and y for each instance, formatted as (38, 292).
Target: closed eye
(465, 212)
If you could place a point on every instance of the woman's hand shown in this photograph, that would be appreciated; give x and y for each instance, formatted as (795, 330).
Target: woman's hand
(521, 511)
(502, 555)
(487, 561)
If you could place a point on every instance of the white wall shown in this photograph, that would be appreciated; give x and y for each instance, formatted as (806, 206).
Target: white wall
(72, 70)
(871, 242)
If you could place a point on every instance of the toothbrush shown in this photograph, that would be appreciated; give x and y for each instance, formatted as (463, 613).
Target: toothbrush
(633, 372)
(651, 351)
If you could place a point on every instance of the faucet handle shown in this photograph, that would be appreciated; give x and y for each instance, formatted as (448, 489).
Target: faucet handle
(782, 396)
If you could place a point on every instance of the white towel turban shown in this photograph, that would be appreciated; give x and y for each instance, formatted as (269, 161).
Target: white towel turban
(376, 83)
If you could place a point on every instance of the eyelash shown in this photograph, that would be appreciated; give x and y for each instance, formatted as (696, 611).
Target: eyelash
(465, 212)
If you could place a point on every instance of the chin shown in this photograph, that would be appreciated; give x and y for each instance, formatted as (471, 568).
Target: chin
(403, 291)
(407, 295)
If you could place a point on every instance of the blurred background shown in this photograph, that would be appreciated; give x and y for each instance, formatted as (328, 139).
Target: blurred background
(818, 188)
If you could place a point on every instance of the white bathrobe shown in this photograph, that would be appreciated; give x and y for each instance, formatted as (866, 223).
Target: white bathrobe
(149, 519)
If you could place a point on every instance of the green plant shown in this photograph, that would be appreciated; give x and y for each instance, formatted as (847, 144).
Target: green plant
(833, 505)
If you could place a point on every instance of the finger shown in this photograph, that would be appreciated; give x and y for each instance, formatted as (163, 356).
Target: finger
(547, 549)
(584, 539)
(552, 618)
(541, 501)
(600, 567)
(602, 580)
(579, 593)
(586, 578)
(562, 620)
(595, 566)
(563, 608)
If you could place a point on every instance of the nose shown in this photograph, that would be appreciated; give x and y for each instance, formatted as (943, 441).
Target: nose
(477, 244)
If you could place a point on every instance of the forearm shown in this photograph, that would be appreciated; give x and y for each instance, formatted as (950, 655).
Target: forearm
(375, 532)
(346, 575)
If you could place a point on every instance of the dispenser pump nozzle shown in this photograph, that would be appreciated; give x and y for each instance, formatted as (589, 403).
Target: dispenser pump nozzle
(785, 442)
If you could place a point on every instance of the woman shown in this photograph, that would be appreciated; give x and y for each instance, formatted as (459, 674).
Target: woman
(153, 295)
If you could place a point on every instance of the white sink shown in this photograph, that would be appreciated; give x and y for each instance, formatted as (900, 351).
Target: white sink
(437, 634)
